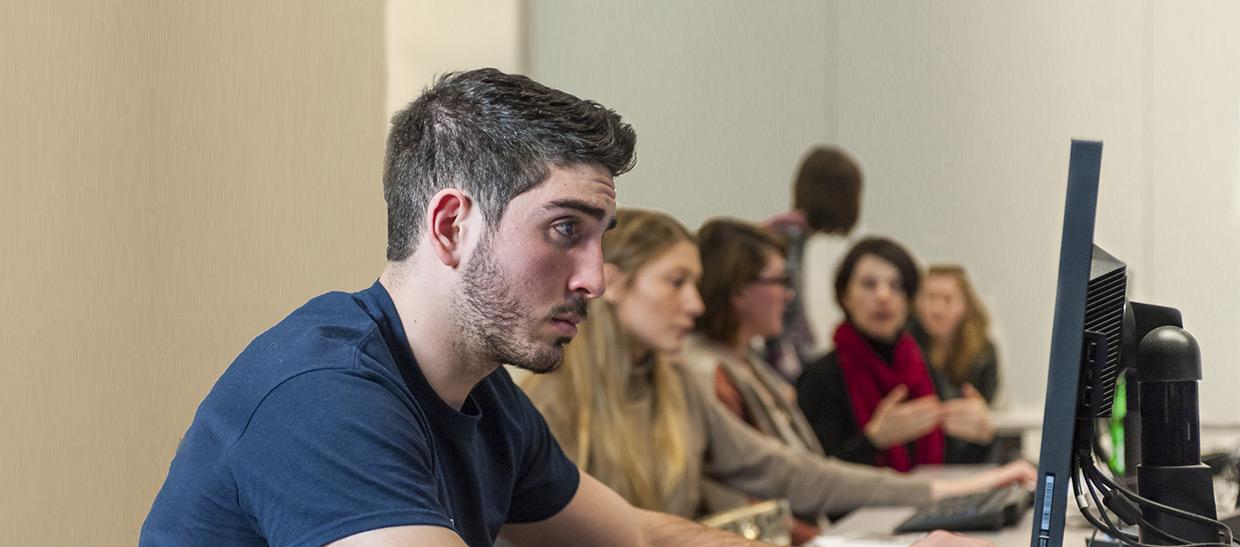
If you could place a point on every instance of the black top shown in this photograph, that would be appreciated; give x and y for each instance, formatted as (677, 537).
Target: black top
(824, 398)
(983, 373)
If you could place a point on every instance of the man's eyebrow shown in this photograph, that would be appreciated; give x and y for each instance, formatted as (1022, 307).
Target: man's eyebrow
(597, 213)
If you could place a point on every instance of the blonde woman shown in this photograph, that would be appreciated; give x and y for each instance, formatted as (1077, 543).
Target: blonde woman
(624, 413)
(952, 327)
(950, 324)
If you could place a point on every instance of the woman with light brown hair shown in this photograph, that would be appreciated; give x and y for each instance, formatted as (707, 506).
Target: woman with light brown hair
(952, 328)
(628, 416)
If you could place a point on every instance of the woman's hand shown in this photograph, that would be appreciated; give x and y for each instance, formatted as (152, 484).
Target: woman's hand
(968, 418)
(896, 421)
(1017, 473)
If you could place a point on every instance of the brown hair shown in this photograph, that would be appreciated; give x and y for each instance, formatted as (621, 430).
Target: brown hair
(494, 136)
(828, 190)
(885, 249)
(970, 341)
(733, 255)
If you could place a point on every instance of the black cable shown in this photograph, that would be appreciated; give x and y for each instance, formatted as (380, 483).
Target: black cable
(1119, 535)
(1114, 531)
(1168, 536)
(1131, 540)
(1093, 472)
(1226, 531)
(1111, 528)
(1096, 473)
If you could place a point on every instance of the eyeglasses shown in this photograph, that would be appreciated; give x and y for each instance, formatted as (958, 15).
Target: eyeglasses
(784, 280)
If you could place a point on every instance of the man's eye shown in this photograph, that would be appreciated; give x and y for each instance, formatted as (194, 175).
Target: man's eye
(567, 229)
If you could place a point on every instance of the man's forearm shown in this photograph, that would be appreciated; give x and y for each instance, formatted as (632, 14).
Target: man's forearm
(659, 529)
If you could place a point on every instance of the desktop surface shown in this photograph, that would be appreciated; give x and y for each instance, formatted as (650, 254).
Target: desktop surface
(878, 521)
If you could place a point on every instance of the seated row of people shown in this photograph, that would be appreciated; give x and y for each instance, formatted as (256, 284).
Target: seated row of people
(699, 430)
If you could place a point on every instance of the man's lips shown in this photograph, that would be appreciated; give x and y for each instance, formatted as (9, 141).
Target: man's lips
(570, 318)
(566, 323)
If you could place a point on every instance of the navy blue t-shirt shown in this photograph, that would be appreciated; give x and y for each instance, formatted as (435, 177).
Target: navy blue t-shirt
(324, 427)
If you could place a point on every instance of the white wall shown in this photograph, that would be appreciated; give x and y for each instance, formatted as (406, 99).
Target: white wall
(961, 115)
(725, 97)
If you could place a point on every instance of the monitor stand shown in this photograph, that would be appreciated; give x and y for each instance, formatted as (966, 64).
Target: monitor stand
(1171, 472)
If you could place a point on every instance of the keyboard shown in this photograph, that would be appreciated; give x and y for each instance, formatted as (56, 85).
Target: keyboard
(991, 510)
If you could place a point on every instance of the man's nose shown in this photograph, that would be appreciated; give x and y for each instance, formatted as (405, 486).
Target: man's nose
(587, 276)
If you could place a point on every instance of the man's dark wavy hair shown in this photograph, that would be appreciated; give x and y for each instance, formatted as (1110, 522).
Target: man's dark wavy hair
(493, 136)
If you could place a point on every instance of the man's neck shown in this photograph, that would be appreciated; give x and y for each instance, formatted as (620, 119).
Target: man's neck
(423, 306)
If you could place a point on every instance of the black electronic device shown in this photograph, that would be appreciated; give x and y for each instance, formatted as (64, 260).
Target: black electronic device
(990, 510)
(1096, 335)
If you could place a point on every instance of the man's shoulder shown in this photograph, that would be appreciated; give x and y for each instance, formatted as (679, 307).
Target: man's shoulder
(330, 334)
(325, 332)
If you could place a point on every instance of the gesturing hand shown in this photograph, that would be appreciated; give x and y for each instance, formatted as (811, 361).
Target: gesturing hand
(968, 418)
(896, 421)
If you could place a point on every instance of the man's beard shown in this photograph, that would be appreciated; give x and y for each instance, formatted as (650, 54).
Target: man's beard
(495, 327)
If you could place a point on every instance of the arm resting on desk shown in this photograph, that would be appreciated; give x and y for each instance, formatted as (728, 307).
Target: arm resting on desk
(599, 516)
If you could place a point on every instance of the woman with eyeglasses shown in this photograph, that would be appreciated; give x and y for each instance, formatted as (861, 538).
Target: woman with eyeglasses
(745, 287)
(627, 415)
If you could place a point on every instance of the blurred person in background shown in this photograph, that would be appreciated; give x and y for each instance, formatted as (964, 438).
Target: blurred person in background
(745, 287)
(826, 199)
(871, 399)
(951, 326)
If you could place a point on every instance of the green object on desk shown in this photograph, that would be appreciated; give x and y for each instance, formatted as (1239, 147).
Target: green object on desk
(1119, 409)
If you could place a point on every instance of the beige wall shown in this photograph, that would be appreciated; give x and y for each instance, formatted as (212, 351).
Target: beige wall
(175, 177)
(428, 37)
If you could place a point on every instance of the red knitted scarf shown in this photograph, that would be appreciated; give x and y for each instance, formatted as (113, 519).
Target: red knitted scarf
(868, 379)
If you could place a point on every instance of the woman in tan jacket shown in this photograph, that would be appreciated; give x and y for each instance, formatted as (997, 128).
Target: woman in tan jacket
(624, 413)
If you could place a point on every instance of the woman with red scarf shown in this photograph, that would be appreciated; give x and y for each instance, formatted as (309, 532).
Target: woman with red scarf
(871, 400)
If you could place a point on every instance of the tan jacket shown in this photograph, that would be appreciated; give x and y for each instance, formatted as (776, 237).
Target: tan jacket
(766, 394)
(729, 451)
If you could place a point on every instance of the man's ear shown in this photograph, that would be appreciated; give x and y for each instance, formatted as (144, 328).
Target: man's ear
(616, 283)
(445, 224)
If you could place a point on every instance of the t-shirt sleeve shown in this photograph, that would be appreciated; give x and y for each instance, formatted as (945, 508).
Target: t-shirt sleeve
(547, 480)
(332, 453)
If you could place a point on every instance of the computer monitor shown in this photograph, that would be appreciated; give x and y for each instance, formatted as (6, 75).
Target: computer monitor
(1064, 378)
(1095, 337)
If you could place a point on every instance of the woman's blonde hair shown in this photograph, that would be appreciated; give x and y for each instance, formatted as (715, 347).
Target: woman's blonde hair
(599, 365)
(971, 339)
